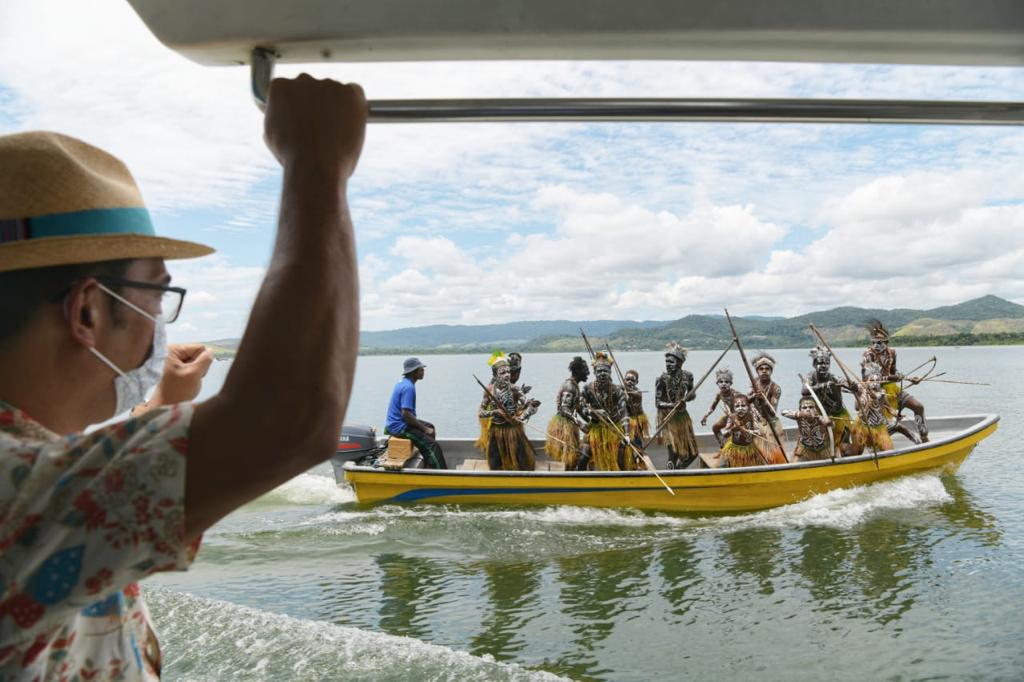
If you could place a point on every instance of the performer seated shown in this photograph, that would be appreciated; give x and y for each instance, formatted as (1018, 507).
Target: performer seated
(813, 427)
(829, 390)
(639, 425)
(873, 411)
(881, 354)
(672, 391)
(563, 442)
(764, 398)
(506, 408)
(740, 449)
(726, 396)
(603, 405)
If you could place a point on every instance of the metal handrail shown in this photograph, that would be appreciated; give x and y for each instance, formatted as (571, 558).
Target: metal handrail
(670, 109)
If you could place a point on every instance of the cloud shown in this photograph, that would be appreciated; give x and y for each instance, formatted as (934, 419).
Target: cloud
(219, 297)
(494, 222)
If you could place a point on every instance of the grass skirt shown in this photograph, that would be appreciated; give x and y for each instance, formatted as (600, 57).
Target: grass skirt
(732, 455)
(767, 444)
(508, 445)
(802, 454)
(485, 434)
(678, 434)
(892, 395)
(639, 427)
(568, 450)
(841, 423)
(604, 447)
(864, 436)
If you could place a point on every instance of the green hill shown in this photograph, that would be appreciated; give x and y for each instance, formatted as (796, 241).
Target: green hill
(988, 319)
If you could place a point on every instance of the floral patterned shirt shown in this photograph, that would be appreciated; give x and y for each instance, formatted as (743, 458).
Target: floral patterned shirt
(82, 519)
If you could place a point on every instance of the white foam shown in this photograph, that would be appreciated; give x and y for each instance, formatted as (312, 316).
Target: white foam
(848, 507)
(207, 639)
(309, 489)
(837, 509)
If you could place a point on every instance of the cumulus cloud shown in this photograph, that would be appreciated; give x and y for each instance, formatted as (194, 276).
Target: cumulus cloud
(479, 223)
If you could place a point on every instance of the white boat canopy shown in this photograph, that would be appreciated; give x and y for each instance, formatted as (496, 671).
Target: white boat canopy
(956, 32)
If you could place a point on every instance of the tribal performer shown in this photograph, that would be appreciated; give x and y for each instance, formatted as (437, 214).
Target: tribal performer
(873, 412)
(740, 449)
(726, 396)
(764, 398)
(829, 390)
(881, 354)
(515, 366)
(603, 405)
(674, 387)
(813, 426)
(639, 425)
(563, 442)
(485, 422)
(506, 408)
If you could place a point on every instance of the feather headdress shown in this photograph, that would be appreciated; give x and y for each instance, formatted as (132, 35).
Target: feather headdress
(763, 358)
(497, 358)
(878, 330)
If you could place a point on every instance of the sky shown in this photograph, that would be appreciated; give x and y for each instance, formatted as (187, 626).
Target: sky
(485, 223)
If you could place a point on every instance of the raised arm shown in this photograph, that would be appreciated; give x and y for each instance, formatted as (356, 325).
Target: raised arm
(283, 402)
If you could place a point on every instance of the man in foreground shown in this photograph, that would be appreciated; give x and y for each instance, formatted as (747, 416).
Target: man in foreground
(403, 422)
(84, 517)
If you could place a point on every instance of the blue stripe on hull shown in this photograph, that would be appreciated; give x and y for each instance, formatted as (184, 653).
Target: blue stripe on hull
(425, 493)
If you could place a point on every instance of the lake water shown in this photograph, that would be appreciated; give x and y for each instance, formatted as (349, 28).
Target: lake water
(917, 578)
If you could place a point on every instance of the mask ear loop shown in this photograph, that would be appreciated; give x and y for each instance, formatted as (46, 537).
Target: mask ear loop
(128, 303)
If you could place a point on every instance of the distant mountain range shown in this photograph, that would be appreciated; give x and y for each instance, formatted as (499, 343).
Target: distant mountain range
(986, 320)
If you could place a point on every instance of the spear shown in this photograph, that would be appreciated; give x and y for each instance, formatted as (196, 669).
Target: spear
(686, 397)
(509, 418)
(831, 438)
(753, 383)
(640, 455)
(846, 372)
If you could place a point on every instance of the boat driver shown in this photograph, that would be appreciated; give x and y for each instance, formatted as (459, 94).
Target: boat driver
(403, 422)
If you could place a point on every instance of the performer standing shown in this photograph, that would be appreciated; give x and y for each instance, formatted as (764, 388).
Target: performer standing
(740, 449)
(483, 441)
(881, 354)
(507, 408)
(764, 397)
(563, 443)
(873, 412)
(813, 426)
(829, 390)
(603, 405)
(726, 396)
(639, 425)
(673, 388)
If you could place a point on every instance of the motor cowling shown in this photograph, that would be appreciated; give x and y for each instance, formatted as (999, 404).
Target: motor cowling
(355, 441)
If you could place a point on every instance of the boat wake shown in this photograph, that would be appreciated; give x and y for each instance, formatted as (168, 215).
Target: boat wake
(537, 531)
(308, 489)
(208, 639)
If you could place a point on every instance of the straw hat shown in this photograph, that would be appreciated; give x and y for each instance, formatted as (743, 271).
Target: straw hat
(64, 202)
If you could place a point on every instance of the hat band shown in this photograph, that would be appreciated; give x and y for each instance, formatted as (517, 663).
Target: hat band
(93, 222)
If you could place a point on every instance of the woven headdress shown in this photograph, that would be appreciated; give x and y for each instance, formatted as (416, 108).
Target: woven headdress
(675, 350)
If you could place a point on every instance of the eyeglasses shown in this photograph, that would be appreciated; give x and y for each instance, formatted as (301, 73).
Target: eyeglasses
(171, 298)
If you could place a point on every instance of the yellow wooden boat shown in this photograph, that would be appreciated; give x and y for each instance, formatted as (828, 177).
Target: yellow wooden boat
(695, 490)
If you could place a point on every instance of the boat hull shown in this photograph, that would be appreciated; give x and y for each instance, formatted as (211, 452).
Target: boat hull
(695, 490)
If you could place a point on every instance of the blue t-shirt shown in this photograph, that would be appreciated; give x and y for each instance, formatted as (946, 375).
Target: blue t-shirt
(402, 398)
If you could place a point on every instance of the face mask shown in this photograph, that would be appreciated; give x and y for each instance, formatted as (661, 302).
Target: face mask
(131, 387)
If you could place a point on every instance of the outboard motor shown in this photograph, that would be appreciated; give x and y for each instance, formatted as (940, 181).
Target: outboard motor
(358, 443)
